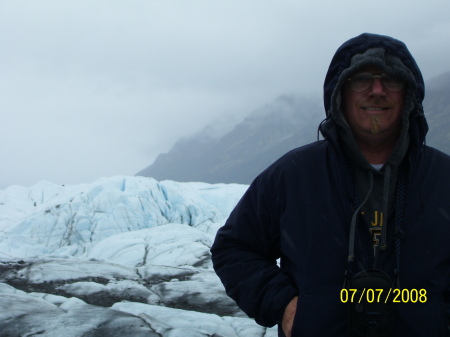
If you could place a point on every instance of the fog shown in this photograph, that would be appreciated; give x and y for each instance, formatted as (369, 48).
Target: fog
(97, 88)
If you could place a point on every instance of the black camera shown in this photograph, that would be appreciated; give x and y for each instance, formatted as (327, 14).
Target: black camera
(370, 308)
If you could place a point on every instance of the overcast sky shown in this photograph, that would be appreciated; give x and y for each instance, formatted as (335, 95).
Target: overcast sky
(92, 88)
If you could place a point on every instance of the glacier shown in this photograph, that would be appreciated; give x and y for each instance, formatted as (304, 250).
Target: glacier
(122, 256)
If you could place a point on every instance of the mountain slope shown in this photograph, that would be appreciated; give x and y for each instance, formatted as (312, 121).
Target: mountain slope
(437, 111)
(240, 155)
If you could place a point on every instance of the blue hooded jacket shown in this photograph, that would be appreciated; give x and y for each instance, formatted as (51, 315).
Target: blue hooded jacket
(299, 210)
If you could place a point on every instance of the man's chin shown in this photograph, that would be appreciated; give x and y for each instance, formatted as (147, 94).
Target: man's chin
(375, 127)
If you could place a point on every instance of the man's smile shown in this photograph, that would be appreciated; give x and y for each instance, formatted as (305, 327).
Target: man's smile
(373, 108)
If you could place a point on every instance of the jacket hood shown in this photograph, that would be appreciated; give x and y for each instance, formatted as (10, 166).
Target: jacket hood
(357, 45)
(389, 54)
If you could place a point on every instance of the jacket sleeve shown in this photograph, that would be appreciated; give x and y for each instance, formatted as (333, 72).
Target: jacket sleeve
(245, 254)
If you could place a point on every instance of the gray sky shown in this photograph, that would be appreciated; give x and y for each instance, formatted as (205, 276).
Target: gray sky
(95, 88)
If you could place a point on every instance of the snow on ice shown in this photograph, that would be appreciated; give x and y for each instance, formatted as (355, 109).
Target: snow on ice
(122, 256)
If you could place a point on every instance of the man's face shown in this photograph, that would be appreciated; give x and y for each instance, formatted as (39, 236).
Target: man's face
(376, 113)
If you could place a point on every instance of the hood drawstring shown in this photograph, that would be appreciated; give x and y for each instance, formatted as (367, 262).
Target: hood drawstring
(351, 245)
(387, 180)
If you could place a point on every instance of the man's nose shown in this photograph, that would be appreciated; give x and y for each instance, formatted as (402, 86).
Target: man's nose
(377, 87)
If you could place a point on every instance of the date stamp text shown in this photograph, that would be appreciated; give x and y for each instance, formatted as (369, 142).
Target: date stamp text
(394, 295)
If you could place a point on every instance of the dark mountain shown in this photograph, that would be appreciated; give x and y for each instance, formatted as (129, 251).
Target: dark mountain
(241, 154)
(269, 132)
(437, 110)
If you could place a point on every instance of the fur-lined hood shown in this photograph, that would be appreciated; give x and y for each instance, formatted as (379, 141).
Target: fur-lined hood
(392, 55)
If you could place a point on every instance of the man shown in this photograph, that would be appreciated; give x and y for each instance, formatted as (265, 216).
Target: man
(365, 211)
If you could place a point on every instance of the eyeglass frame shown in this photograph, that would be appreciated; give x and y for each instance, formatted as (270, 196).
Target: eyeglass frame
(381, 77)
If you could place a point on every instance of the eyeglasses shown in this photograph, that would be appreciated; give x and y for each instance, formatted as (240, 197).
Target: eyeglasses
(363, 81)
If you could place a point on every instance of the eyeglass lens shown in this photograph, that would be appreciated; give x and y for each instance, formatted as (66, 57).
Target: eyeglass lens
(362, 82)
